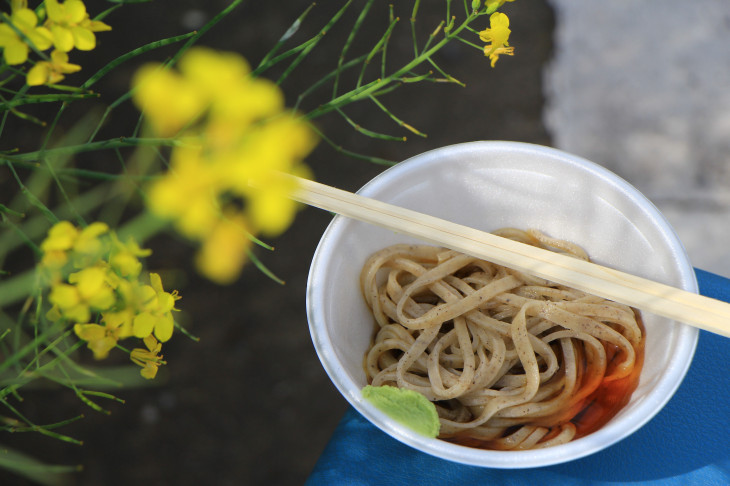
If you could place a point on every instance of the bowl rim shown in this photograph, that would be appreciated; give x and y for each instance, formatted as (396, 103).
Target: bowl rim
(603, 438)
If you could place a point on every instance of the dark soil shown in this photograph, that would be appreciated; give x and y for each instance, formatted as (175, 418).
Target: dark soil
(250, 403)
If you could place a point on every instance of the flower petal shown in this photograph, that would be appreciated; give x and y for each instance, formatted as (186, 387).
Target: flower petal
(89, 281)
(97, 26)
(101, 347)
(84, 39)
(90, 332)
(64, 296)
(24, 19)
(42, 38)
(143, 325)
(156, 282)
(16, 53)
(149, 371)
(223, 253)
(61, 236)
(7, 35)
(75, 11)
(54, 10)
(63, 39)
(77, 313)
(164, 327)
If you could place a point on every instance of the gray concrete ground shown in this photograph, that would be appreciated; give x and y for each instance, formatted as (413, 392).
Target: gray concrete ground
(641, 88)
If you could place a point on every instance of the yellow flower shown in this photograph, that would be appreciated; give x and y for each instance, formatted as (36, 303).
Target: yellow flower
(64, 240)
(236, 99)
(61, 236)
(494, 56)
(120, 321)
(167, 100)
(157, 316)
(59, 241)
(133, 297)
(136, 299)
(497, 34)
(237, 138)
(88, 247)
(100, 339)
(270, 207)
(213, 73)
(124, 258)
(208, 80)
(51, 72)
(255, 177)
(149, 359)
(15, 48)
(493, 5)
(88, 291)
(187, 194)
(71, 26)
(223, 253)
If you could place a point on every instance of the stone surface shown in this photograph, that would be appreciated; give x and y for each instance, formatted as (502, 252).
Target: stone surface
(641, 88)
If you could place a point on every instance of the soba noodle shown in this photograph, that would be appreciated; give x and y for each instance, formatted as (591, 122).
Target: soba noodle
(511, 361)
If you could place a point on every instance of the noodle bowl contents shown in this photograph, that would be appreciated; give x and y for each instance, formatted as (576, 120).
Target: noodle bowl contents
(511, 361)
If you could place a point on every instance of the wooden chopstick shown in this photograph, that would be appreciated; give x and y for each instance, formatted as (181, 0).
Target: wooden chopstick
(696, 310)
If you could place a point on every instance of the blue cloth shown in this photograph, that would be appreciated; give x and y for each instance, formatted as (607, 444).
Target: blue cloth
(687, 443)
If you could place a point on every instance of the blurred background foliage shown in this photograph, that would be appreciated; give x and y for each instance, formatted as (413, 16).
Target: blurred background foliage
(250, 403)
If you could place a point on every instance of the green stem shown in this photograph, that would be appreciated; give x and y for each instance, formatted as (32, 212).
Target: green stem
(86, 147)
(327, 77)
(45, 98)
(79, 219)
(262, 268)
(313, 43)
(346, 47)
(38, 340)
(38, 428)
(376, 48)
(132, 54)
(293, 28)
(379, 84)
(341, 100)
(349, 153)
(414, 13)
(384, 53)
(102, 176)
(32, 198)
(478, 47)
(396, 119)
(447, 77)
(367, 132)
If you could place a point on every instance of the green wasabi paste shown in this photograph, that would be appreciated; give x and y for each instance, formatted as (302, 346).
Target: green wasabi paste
(407, 407)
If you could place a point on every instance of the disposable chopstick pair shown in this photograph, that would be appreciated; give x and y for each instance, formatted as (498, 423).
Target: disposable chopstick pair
(696, 310)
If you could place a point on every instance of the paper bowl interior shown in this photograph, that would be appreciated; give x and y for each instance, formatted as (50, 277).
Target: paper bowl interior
(489, 185)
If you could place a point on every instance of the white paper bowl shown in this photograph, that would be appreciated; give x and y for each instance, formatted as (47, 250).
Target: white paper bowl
(489, 185)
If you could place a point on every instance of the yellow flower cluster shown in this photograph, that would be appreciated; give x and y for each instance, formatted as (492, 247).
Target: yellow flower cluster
(223, 184)
(66, 26)
(97, 284)
(498, 36)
